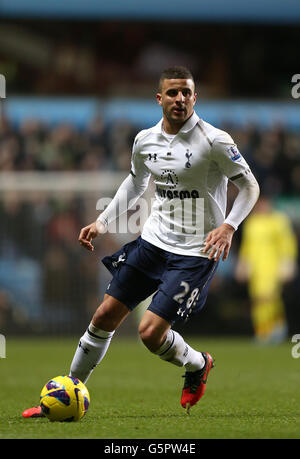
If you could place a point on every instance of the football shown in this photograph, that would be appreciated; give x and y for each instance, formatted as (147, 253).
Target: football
(64, 398)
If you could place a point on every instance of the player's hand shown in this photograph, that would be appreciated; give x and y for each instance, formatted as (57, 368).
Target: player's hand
(88, 233)
(218, 241)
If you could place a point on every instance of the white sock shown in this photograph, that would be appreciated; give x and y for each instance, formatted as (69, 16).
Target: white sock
(91, 349)
(175, 350)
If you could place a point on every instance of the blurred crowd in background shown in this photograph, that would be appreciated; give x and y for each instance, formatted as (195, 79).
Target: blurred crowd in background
(35, 146)
(48, 283)
(273, 154)
(109, 58)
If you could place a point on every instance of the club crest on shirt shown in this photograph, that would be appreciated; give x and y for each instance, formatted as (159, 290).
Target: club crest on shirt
(234, 153)
(188, 155)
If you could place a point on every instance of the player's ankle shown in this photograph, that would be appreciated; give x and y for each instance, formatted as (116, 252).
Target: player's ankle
(196, 361)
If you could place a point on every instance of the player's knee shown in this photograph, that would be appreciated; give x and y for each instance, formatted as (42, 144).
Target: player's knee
(108, 316)
(102, 318)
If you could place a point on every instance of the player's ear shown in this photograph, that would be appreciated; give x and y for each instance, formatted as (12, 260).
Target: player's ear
(158, 98)
(195, 98)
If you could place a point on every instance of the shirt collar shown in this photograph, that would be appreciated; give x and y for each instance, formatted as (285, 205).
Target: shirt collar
(188, 125)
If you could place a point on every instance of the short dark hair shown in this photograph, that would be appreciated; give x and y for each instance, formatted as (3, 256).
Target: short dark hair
(175, 72)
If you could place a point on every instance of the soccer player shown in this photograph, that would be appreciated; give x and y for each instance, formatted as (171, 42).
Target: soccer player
(182, 241)
(267, 260)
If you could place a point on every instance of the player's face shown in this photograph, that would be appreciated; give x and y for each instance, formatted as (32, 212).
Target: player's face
(177, 98)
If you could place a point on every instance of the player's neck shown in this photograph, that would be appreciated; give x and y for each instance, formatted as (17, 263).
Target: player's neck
(171, 128)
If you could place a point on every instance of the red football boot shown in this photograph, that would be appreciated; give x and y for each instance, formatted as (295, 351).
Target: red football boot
(195, 383)
(34, 412)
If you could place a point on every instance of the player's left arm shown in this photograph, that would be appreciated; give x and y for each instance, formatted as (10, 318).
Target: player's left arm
(234, 166)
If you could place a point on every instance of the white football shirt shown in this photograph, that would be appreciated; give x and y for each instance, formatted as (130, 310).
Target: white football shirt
(191, 172)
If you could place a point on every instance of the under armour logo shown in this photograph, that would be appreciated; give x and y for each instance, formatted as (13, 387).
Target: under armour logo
(186, 351)
(180, 312)
(154, 157)
(85, 349)
(188, 155)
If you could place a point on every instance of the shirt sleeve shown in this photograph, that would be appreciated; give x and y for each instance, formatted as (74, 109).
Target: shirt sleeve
(138, 167)
(226, 154)
(232, 164)
(130, 189)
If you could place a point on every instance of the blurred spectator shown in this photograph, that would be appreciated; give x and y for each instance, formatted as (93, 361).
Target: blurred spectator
(267, 260)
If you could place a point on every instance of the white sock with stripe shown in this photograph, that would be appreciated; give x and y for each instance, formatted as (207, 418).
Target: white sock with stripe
(91, 349)
(175, 350)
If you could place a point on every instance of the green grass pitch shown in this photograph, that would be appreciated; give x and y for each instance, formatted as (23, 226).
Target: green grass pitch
(253, 392)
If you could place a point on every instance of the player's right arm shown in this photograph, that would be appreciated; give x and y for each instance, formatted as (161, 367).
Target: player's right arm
(126, 196)
(134, 185)
(88, 233)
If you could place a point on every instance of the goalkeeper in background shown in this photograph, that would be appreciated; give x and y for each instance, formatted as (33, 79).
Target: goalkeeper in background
(267, 260)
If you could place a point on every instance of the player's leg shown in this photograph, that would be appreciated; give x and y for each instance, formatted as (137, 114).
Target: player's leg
(159, 338)
(94, 343)
(181, 294)
(268, 319)
(280, 329)
(126, 290)
(153, 330)
(169, 345)
(267, 308)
